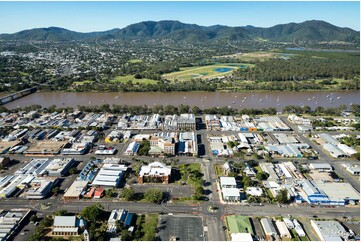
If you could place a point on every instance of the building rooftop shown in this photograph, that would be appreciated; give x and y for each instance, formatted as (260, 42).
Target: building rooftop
(227, 181)
(338, 191)
(64, 221)
(239, 224)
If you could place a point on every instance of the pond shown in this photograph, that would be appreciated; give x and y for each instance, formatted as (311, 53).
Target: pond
(223, 69)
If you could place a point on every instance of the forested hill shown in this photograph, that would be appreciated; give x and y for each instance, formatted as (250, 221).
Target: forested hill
(313, 30)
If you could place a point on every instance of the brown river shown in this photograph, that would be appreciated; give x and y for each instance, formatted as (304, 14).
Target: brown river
(201, 99)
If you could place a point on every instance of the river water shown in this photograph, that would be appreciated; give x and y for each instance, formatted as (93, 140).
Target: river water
(201, 99)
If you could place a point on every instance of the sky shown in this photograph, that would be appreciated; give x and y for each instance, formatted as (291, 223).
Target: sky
(100, 16)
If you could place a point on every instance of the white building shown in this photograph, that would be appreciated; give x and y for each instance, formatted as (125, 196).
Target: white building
(227, 182)
(110, 175)
(329, 230)
(254, 191)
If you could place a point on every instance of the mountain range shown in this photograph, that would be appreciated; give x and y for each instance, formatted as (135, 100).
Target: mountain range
(313, 30)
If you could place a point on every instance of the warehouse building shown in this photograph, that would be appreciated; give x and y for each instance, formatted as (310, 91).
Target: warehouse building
(40, 188)
(329, 230)
(75, 190)
(110, 175)
(354, 170)
(10, 221)
(45, 166)
(339, 193)
(321, 167)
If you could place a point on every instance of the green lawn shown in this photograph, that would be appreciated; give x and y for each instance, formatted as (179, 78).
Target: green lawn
(146, 227)
(133, 61)
(125, 79)
(83, 82)
(186, 74)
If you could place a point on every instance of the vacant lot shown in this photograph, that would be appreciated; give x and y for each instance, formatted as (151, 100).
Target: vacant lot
(173, 190)
(216, 70)
(183, 228)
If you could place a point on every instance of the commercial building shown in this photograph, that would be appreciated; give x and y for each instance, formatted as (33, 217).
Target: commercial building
(271, 123)
(231, 194)
(334, 151)
(329, 230)
(354, 170)
(75, 190)
(102, 150)
(283, 138)
(110, 175)
(339, 193)
(212, 122)
(227, 182)
(10, 221)
(46, 166)
(40, 188)
(187, 144)
(132, 149)
(289, 150)
(321, 167)
(121, 215)
(155, 172)
(183, 122)
(76, 149)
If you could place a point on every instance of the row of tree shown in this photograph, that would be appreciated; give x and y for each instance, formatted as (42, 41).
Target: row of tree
(170, 109)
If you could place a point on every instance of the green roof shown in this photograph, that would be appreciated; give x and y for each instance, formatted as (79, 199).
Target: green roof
(239, 224)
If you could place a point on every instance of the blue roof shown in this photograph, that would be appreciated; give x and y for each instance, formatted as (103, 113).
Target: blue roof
(135, 147)
(124, 216)
(129, 219)
(181, 146)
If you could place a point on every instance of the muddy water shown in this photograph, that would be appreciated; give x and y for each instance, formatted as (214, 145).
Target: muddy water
(200, 99)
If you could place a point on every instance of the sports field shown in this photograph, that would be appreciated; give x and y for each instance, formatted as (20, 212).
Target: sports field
(125, 79)
(204, 72)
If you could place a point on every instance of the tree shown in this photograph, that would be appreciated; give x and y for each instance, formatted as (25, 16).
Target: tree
(282, 196)
(127, 194)
(231, 144)
(125, 235)
(73, 171)
(55, 190)
(261, 176)
(33, 218)
(154, 195)
(61, 212)
(247, 181)
(92, 213)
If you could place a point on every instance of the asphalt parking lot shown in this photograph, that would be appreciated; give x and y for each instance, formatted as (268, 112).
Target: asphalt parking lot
(184, 228)
(174, 190)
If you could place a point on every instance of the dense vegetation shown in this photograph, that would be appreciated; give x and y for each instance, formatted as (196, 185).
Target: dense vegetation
(307, 31)
(304, 66)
